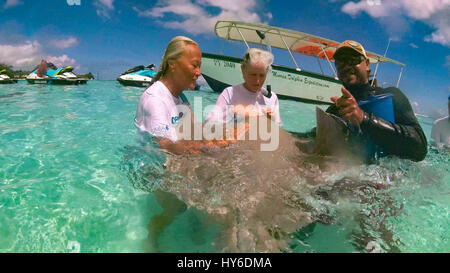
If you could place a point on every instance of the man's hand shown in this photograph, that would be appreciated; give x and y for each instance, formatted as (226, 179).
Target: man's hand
(348, 107)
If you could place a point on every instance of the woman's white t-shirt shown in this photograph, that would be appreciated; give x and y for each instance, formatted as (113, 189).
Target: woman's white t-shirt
(159, 112)
(239, 95)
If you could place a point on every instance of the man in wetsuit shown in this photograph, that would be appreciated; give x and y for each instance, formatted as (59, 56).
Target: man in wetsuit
(405, 137)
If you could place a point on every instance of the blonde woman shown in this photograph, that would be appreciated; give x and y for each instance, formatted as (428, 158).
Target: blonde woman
(255, 66)
(158, 115)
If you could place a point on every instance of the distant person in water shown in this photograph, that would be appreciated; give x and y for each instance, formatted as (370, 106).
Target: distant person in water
(405, 137)
(441, 130)
(255, 66)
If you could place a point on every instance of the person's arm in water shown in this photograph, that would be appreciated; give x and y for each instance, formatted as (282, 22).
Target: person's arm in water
(178, 147)
(181, 146)
(404, 138)
(191, 146)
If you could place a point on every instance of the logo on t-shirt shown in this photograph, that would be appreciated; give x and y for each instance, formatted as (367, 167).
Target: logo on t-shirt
(177, 118)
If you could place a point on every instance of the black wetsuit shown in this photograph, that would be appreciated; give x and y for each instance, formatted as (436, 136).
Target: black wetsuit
(404, 138)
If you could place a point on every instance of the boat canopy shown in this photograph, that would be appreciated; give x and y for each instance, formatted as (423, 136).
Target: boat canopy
(293, 41)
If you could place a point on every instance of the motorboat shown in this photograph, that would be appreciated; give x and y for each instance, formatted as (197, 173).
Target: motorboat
(139, 76)
(288, 82)
(4, 78)
(48, 73)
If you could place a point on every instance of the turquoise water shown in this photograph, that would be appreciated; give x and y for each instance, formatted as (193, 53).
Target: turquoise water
(64, 185)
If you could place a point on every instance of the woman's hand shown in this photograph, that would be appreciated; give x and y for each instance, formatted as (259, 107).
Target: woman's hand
(192, 146)
(269, 112)
(245, 111)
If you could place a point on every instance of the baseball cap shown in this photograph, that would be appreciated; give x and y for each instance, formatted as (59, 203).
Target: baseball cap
(349, 45)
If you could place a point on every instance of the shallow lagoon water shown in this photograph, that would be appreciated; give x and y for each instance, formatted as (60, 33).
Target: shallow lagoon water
(64, 187)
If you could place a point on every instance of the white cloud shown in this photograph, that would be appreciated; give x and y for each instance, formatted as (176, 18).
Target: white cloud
(394, 14)
(379, 10)
(420, 9)
(28, 54)
(183, 9)
(441, 21)
(21, 56)
(12, 3)
(64, 43)
(104, 8)
(413, 45)
(195, 18)
(416, 108)
(416, 9)
(107, 3)
(62, 61)
(230, 5)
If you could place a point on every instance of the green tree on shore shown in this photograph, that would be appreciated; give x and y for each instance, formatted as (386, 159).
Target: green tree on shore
(13, 73)
(8, 69)
(87, 76)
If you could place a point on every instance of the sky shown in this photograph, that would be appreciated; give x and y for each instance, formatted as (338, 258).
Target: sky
(106, 37)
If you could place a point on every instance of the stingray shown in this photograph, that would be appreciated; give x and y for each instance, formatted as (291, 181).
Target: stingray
(336, 137)
(259, 197)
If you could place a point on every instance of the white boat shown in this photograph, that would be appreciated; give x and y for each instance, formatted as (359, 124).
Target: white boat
(5, 79)
(139, 76)
(222, 71)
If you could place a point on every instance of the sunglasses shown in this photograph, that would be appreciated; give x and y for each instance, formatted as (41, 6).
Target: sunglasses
(349, 60)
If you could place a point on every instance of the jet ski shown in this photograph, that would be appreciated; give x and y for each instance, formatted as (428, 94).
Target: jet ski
(139, 76)
(4, 78)
(48, 73)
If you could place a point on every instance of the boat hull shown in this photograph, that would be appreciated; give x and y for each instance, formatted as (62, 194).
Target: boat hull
(57, 81)
(222, 71)
(8, 81)
(133, 83)
(136, 79)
